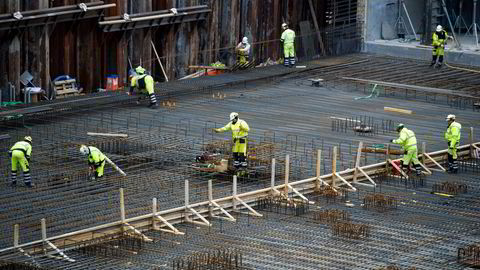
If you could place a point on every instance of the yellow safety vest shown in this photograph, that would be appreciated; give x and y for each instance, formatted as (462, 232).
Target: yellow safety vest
(239, 129)
(96, 157)
(453, 134)
(23, 146)
(407, 139)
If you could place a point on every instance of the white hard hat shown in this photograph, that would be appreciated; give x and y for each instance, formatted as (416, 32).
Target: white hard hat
(244, 40)
(84, 150)
(450, 117)
(284, 25)
(28, 139)
(439, 28)
(233, 115)
(140, 70)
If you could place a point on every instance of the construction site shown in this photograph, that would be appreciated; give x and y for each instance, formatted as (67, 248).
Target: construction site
(324, 187)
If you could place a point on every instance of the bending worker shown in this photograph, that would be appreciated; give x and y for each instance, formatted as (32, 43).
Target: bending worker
(243, 51)
(20, 154)
(96, 159)
(452, 136)
(439, 39)
(288, 40)
(409, 142)
(239, 130)
(144, 82)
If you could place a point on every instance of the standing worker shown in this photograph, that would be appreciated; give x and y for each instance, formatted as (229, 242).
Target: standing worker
(239, 130)
(243, 51)
(144, 82)
(439, 40)
(452, 136)
(96, 159)
(20, 154)
(288, 40)
(409, 142)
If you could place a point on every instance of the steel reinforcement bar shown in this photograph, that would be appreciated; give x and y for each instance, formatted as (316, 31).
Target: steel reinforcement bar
(222, 206)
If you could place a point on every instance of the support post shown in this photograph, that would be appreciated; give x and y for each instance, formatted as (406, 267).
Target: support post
(357, 161)
(44, 229)
(160, 62)
(154, 212)
(272, 180)
(210, 198)
(234, 193)
(287, 173)
(424, 148)
(186, 200)
(16, 234)
(470, 137)
(122, 206)
(334, 166)
(317, 181)
(387, 157)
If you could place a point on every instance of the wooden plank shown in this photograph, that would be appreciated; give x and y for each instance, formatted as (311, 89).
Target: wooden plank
(397, 110)
(317, 29)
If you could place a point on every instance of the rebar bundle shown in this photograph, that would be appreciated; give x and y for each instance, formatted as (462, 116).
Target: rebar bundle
(453, 188)
(379, 202)
(215, 260)
(350, 230)
(283, 205)
(330, 216)
(469, 255)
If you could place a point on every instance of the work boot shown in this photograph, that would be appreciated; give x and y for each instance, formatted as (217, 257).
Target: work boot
(153, 106)
(13, 183)
(30, 184)
(439, 65)
(244, 164)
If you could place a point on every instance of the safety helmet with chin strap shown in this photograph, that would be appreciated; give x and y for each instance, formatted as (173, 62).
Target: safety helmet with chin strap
(140, 70)
(28, 139)
(84, 150)
(400, 127)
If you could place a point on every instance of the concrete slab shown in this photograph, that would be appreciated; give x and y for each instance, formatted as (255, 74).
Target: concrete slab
(414, 50)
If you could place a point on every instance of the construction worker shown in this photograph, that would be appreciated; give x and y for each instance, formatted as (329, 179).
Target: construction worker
(243, 51)
(20, 154)
(144, 82)
(409, 142)
(452, 136)
(288, 40)
(239, 130)
(96, 159)
(439, 40)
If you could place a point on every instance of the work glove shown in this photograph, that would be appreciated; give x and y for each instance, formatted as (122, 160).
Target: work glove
(405, 152)
(235, 140)
(448, 144)
(392, 140)
(215, 130)
(442, 45)
(28, 158)
(10, 153)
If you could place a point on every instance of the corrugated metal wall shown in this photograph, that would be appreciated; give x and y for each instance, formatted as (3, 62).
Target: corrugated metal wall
(82, 50)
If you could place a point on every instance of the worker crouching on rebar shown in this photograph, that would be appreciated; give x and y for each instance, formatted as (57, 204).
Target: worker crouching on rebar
(20, 153)
(408, 141)
(452, 136)
(243, 51)
(144, 82)
(96, 160)
(239, 130)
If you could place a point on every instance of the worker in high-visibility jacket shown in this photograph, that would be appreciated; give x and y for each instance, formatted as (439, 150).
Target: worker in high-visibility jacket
(243, 51)
(144, 82)
(439, 40)
(288, 40)
(96, 159)
(240, 131)
(20, 154)
(408, 141)
(452, 136)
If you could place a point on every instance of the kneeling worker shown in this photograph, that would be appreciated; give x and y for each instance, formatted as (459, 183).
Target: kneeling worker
(408, 140)
(243, 51)
(239, 130)
(20, 154)
(96, 159)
